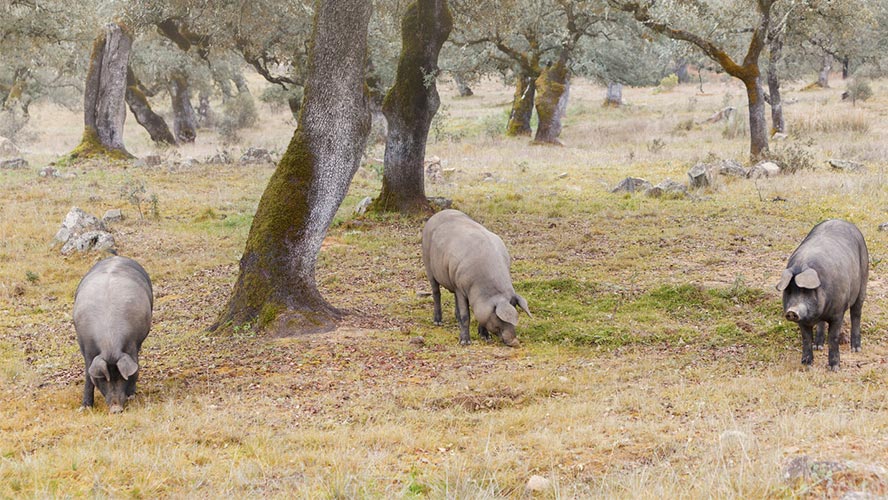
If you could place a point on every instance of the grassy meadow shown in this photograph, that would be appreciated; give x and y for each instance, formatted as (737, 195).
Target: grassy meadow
(657, 363)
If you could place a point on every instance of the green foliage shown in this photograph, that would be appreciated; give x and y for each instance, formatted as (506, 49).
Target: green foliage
(859, 89)
(32, 277)
(668, 83)
(277, 98)
(238, 113)
(134, 192)
(793, 156)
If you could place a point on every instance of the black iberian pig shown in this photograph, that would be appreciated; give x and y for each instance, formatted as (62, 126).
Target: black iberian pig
(112, 316)
(473, 263)
(825, 276)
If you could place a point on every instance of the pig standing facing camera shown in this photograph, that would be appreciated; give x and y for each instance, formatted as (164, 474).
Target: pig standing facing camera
(112, 316)
(825, 276)
(473, 263)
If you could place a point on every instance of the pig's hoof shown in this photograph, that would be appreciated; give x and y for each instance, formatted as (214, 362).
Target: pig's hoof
(84, 408)
(833, 368)
(438, 323)
(818, 347)
(855, 349)
(465, 342)
(115, 409)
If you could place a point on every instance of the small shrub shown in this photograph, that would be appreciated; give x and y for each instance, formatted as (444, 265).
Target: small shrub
(238, 113)
(656, 145)
(669, 82)
(859, 90)
(133, 191)
(792, 156)
(493, 126)
(736, 127)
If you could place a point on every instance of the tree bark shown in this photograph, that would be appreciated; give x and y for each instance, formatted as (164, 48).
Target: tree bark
(778, 124)
(551, 101)
(758, 125)
(276, 288)
(823, 76)
(205, 116)
(461, 86)
(410, 105)
(614, 96)
(184, 117)
(846, 67)
(104, 108)
(522, 106)
(681, 71)
(152, 122)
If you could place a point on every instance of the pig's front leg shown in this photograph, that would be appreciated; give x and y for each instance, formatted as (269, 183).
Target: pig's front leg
(462, 315)
(807, 341)
(89, 390)
(819, 336)
(835, 328)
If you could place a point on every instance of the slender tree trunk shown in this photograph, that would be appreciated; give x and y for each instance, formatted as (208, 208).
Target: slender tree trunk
(104, 108)
(141, 109)
(205, 116)
(461, 86)
(184, 117)
(551, 100)
(846, 67)
(758, 124)
(681, 71)
(777, 121)
(410, 106)
(276, 287)
(522, 106)
(614, 96)
(823, 76)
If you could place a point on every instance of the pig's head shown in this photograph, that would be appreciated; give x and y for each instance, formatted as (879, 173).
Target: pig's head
(802, 296)
(502, 318)
(112, 380)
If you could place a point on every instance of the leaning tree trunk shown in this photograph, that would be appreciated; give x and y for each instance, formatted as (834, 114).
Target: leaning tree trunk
(184, 117)
(758, 125)
(461, 86)
(152, 122)
(823, 76)
(778, 124)
(551, 101)
(522, 106)
(104, 108)
(276, 287)
(614, 96)
(410, 106)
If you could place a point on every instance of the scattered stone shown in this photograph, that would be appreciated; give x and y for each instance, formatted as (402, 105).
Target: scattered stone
(448, 171)
(780, 136)
(488, 177)
(82, 232)
(563, 175)
(433, 170)
(13, 163)
(220, 158)
(440, 203)
(148, 161)
(188, 162)
(764, 169)
(113, 215)
(7, 148)
(363, 205)
(667, 189)
(417, 341)
(538, 483)
(732, 168)
(48, 172)
(700, 176)
(724, 114)
(846, 165)
(632, 185)
(254, 156)
(883, 226)
(804, 468)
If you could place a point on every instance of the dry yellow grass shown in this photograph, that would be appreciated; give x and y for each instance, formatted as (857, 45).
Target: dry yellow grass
(656, 364)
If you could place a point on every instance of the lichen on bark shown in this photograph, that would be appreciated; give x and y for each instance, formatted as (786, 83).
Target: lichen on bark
(553, 90)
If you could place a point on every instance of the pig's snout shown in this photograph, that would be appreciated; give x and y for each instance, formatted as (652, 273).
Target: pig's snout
(115, 408)
(792, 315)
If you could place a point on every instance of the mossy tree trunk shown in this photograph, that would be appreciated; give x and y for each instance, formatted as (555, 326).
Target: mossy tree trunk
(152, 122)
(758, 124)
(522, 106)
(410, 105)
(184, 117)
(276, 287)
(553, 90)
(778, 123)
(825, 68)
(104, 108)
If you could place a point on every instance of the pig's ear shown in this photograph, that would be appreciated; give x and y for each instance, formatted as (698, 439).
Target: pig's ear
(785, 278)
(522, 303)
(808, 279)
(99, 369)
(506, 312)
(127, 366)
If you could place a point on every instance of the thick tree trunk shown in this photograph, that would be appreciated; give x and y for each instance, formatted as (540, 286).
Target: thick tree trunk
(823, 76)
(104, 108)
(681, 71)
(614, 96)
(846, 67)
(551, 102)
(461, 86)
(184, 117)
(522, 106)
(758, 124)
(410, 106)
(777, 121)
(141, 109)
(205, 115)
(276, 287)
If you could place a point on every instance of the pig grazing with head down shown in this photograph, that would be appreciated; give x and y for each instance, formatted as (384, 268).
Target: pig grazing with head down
(825, 276)
(473, 263)
(112, 316)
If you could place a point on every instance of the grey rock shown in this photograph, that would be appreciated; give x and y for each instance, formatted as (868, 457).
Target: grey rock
(363, 205)
(113, 215)
(13, 163)
(254, 156)
(732, 168)
(725, 114)
(538, 483)
(632, 185)
(90, 240)
(81, 231)
(418, 341)
(563, 175)
(667, 189)
(883, 226)
(440, 203)
(148, 161)
(764, 169)
(846, 165)
(804, 468)
(220, 158)
(700, 175)
(779, 136)
(49, 172)
(8, 149)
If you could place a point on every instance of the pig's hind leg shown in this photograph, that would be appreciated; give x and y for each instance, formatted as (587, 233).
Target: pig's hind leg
(856, 309)
(436, 297)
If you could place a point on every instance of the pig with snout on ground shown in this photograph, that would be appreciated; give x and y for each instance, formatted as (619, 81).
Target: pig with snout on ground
(826, 276)
(473, 263)
(112, 316)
